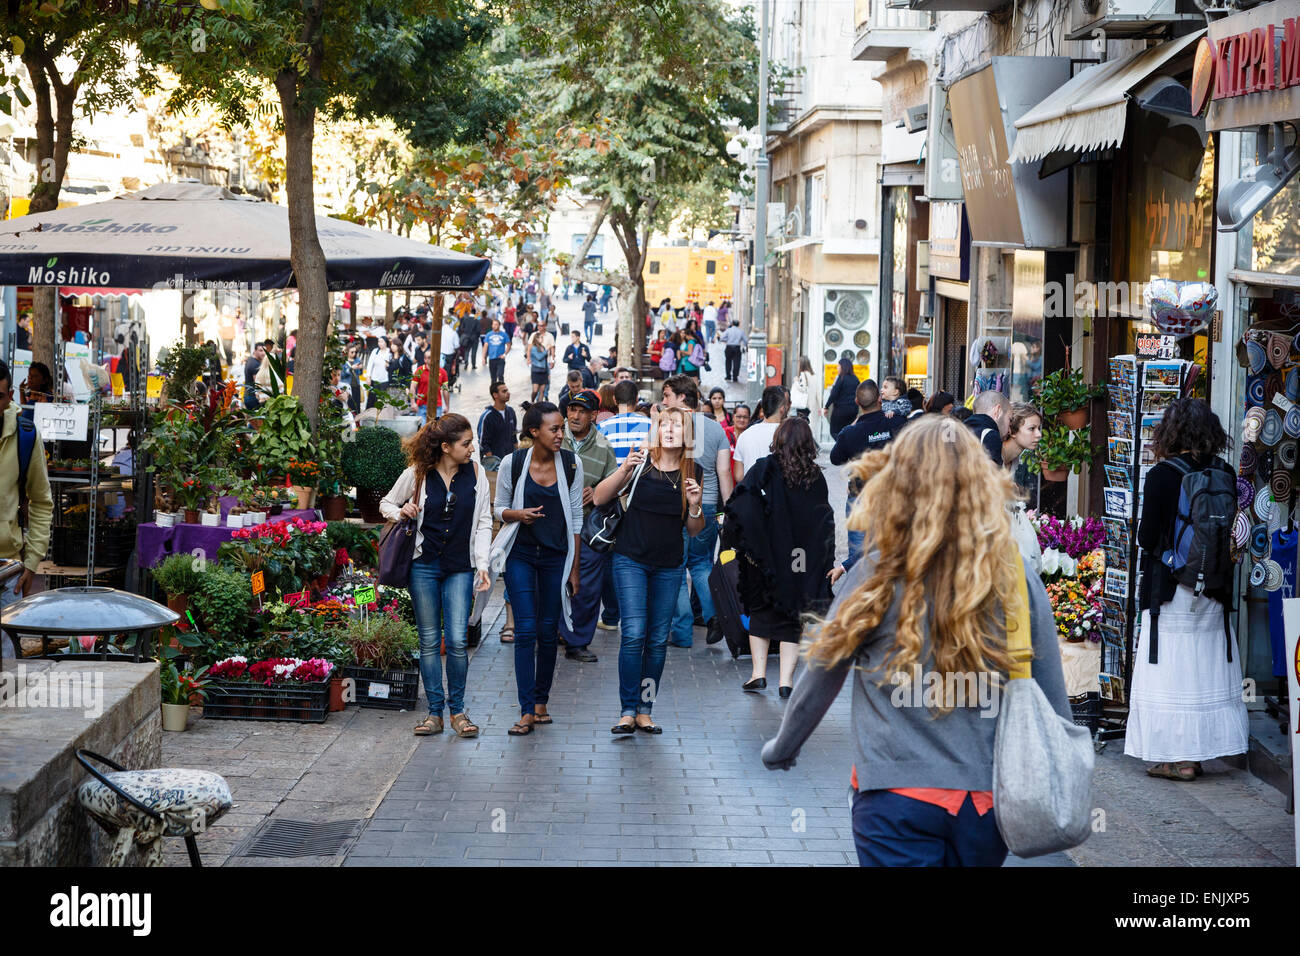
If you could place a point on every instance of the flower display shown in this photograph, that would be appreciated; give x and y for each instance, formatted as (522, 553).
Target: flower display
(279, 670)
(1074, 537)
(304, 472)
(1076, 607)
(231, 668)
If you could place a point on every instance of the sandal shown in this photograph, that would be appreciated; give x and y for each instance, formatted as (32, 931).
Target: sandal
(430, 725)
(507, 635)
(463, 726)
(542, 718)
(1170, 771)
(523, 726)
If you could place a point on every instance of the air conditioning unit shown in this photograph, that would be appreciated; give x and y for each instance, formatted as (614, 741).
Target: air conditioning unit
(1120, 18)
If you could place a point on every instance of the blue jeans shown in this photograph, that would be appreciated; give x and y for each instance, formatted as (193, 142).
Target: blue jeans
(534, 577)
(588, 329)
(593, 570)
(423, 412)
(890, 829)
(645, 596)
(442, 603)
(609, 598)
(710, 329)
(699, 562)
(855, 538)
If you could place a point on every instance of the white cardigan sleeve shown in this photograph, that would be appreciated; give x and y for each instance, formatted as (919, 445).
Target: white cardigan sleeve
(391, 505)
(482, 540)
(505, 487)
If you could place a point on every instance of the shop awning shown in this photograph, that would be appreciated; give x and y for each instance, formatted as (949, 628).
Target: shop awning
(1089, 111)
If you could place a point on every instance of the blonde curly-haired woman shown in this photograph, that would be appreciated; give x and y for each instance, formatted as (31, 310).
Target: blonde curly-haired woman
(919, 622)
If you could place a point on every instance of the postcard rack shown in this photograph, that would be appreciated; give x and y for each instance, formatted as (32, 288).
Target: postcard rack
(1140, 391)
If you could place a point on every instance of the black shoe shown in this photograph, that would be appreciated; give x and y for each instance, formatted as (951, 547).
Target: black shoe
(715, 632)
(785, 692)
(580, 654)
(699, 622)
(758, 683)
(621, 728)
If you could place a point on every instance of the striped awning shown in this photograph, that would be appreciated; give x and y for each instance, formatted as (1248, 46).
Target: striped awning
(1088, 111)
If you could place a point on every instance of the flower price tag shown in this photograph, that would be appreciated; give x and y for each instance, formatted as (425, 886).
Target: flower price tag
(298, 599)
(259, 582)
(364, 595)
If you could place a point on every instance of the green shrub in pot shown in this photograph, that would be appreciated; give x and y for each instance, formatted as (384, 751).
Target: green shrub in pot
(176, 575)
(222, 602)
(1061, 448)
(374, 459)
(1063, 391)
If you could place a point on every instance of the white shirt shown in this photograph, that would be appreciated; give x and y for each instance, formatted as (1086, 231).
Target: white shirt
(450, 340)
(799, 390)
(377, 367)
(755, 442)
(710, 313)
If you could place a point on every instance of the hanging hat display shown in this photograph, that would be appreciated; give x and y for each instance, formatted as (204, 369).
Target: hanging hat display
(1256, 357)
(1241, 531)
(1291, 376)
(1245, 493)
(1258, 575)
(1280, 484)
(1249, 458)
(1291, 422)
(1259, 540)
(1255, 390)
(1271, 432)
(1272, 386)
(1285, 454)
(1273, 575)
(1263, 504)
(1279, 347)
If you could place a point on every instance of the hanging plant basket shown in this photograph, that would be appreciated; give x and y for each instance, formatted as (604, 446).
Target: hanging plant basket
(1075, 418)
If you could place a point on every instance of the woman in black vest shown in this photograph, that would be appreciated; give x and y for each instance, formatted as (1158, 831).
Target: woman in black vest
(1185, 702)
(446, 494)
(842, 403)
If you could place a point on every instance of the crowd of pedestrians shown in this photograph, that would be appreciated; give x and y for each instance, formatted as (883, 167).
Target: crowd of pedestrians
(610, 511)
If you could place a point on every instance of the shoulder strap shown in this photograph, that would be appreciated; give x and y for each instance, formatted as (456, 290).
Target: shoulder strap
(1181, 465)
(26, 443)
(516, 468)
(1019, 644)
(570, 465)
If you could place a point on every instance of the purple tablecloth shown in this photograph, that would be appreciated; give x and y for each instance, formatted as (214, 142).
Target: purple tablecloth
(154, 543)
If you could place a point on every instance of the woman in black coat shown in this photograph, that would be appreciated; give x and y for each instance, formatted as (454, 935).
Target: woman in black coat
(841, 403)
(781, 524)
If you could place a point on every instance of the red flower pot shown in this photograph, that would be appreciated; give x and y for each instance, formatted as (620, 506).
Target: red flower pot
(336, 694)
(1075, 418)
(1056, 474)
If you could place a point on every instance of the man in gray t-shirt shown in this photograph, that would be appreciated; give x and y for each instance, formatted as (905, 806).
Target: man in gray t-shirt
(712, 452)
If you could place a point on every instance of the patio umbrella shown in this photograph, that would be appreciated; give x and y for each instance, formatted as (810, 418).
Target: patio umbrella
(197, 236)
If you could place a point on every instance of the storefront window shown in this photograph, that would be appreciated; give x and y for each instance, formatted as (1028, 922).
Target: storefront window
(1027, 306)
(1271, 243)
(1171, 224)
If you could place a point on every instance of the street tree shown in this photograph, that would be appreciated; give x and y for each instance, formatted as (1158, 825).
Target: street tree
(668, 78)
(368, 59)
(78, 64)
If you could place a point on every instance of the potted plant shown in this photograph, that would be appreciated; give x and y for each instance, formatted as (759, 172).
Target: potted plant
(178, 579)
(1061, 451)
(331, 500)
(179, 690)
(1066, 394)
(372, 462)
(304, 475)
(283, 435)
(384, 648)
(191, 494)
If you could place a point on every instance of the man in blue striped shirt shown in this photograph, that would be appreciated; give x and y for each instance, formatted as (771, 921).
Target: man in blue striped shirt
(629, 428)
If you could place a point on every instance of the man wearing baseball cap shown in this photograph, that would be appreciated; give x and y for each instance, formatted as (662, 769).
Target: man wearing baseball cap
(598, 462)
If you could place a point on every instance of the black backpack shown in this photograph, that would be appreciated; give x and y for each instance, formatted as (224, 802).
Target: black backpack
(1199, 547)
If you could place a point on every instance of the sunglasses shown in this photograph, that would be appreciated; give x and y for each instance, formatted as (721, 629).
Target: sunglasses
(449, 503)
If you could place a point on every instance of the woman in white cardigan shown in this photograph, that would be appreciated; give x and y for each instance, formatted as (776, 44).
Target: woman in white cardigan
(539, 503)
(445, 492)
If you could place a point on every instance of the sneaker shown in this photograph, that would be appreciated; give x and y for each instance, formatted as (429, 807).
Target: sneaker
(580, 654)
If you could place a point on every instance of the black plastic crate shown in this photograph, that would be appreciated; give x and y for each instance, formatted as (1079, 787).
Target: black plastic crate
(1086, 710)
(293, 703)
(386, 689)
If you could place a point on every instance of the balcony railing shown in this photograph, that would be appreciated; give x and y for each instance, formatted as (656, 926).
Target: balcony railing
(883, 30)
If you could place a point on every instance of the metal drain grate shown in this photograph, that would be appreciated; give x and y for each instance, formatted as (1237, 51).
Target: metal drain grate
(290, 838)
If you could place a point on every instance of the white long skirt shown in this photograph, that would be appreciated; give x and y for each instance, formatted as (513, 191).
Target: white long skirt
(1189, 706)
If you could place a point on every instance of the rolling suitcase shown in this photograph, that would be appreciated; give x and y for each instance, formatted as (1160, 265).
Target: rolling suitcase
(723, 582)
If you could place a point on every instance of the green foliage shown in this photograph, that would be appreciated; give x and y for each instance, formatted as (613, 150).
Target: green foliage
(181, 367)
(374, 459)
(284, 435)
(178, 686)
(1064, 390)
(222, 602)
(288, 561)
(176, 575)
(362, 544)
(1061, 448)
(381, 640)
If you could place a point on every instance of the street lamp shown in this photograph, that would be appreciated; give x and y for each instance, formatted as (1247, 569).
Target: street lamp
(758, 313)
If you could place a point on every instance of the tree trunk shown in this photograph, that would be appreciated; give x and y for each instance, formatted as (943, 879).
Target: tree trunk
(54, 109)
(306, 254)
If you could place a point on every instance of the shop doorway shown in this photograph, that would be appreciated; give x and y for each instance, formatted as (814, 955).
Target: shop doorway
(952, 363)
